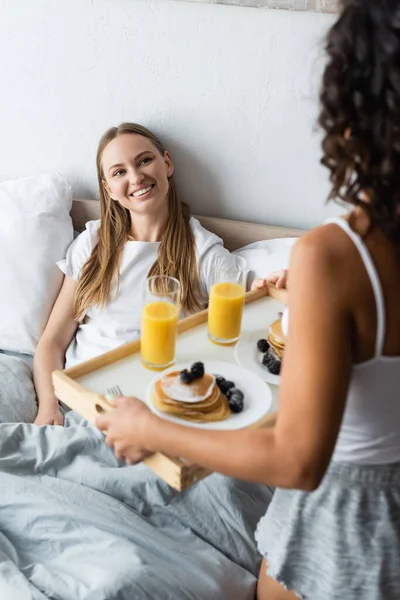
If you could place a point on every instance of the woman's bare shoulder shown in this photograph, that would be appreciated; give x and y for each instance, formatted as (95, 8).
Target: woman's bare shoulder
(325, 256)
(330, 239)
(326, 246)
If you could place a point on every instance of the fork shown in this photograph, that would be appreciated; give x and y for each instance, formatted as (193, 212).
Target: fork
(111, 393)
(114, 391)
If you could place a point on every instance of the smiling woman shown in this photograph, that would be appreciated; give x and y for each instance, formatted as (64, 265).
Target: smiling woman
(138, 202)
(135, 174)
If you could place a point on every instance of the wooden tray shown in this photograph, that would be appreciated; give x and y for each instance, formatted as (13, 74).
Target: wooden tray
(178, 473)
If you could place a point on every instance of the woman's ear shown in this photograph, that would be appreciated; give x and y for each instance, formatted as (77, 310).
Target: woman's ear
(169, 164)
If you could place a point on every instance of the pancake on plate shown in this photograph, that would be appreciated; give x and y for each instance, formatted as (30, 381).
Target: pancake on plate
(273, 348)
(200, 399)
(276, 339)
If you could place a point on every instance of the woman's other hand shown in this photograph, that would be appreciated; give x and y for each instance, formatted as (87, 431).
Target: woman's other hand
(277, 278)
(49, 417)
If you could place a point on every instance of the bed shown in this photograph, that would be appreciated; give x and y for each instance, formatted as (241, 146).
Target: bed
(77, 525)
(235, 234)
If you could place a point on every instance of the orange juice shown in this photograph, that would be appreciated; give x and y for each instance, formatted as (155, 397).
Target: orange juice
(225, 312)
(157, 343)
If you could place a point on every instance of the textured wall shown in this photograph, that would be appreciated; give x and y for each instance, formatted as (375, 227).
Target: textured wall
(315, 5)
(231, 90)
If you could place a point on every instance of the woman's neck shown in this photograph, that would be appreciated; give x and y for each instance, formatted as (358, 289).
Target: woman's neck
(359, 221)
(148, 228)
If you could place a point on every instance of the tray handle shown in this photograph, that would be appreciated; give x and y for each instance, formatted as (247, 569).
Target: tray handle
(88, 404)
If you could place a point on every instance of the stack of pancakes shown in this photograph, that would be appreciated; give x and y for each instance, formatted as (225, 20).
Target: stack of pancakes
(276, 339)
(200, 400)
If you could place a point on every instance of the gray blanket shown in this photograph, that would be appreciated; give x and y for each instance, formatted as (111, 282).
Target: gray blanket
(75, 524)
(17, 394)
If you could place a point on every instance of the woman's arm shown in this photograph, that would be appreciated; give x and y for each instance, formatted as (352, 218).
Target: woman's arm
(314, 383)
(50, 353)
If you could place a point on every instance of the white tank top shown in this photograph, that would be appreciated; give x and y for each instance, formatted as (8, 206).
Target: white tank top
(370, 430)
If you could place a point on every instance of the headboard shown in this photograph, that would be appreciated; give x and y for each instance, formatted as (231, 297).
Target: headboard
(234, 233)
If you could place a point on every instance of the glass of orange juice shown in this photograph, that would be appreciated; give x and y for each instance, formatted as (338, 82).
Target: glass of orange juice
(159, 321)
(226, 300)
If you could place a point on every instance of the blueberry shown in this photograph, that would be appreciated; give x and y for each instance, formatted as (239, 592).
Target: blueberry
(273, 364)
(274, 367)
(265, 360)
(185, 376)
(197, 370)
(237, 393)
(236, 401)
(226, 385)
(218, 379)
(231, 391)
(262, 345)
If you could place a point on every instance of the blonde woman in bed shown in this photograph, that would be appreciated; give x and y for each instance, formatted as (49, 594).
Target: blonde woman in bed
(143, 230)
(332, 530)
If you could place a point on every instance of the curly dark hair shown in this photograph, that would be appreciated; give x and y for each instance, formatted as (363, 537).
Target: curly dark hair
(360, 112)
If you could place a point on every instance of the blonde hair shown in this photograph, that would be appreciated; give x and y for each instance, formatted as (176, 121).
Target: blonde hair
(176, 254)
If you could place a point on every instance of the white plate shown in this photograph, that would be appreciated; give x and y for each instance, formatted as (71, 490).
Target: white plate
(249, 357)
(257, 396)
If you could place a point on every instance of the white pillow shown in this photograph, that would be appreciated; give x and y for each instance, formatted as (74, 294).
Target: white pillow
(266, 256)
(35, 232)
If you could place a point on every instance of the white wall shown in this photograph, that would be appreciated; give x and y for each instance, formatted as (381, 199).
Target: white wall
(232, 91)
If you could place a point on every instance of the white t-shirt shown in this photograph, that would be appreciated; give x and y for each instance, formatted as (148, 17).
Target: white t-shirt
(119, 321)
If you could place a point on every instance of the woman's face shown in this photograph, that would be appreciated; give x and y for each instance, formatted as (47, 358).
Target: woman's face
(136, 174)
